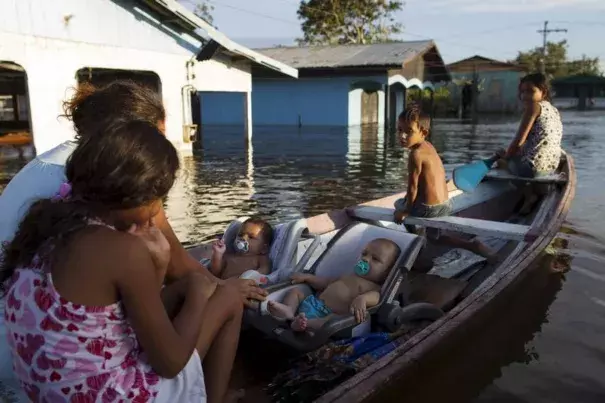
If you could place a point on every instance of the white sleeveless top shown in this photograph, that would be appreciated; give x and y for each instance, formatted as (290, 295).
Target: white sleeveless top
(39, 179)
(543, 145)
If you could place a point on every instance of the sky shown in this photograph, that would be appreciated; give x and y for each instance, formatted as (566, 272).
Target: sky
(497, 29)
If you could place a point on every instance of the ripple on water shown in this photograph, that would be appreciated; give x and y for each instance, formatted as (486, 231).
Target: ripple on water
(547, 344)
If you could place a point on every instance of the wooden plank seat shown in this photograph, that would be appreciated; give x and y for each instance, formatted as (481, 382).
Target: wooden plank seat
(503, 230)
(460, 201)
(503, 175)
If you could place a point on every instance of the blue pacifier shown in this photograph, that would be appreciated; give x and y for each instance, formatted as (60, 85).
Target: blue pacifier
(362, 268)
(241, 245)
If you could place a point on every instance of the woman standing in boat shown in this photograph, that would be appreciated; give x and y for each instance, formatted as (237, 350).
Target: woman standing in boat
(536, 149)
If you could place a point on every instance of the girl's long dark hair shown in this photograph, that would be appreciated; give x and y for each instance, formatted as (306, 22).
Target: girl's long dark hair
(128, 165)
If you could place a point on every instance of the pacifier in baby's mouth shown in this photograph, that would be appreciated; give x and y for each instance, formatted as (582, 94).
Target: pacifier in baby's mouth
(241, 245)
(362, 268)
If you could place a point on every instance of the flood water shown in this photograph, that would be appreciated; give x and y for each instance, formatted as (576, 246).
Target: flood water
(547, 345)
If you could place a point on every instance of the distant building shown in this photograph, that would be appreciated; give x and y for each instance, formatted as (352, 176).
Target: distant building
(579, 92)
(344, 85)
(48, 46)
(498, 84)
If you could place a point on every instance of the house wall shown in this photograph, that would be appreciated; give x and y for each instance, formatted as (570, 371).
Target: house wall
(108, 34)
(498, 90)
(312, 101)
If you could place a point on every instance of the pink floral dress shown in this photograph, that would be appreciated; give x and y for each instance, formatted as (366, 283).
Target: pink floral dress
(63, 352)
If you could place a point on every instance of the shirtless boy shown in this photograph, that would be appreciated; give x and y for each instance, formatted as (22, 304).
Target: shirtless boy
(251, 246)
(349, 294)
(427, 192)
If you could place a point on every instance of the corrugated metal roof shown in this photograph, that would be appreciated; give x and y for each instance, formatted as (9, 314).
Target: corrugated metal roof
(330, 56)
(187, 17)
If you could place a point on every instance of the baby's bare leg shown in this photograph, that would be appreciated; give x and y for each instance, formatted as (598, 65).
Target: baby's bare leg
(286, 309)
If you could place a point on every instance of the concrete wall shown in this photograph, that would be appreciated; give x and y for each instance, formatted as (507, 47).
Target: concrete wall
(313, 101)
(60, 37)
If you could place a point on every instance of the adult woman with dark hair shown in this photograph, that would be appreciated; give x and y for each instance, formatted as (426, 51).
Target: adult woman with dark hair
(90, 109)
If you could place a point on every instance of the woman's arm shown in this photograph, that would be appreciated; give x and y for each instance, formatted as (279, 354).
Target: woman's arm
(168, 344)
(527, 121)
(181, 262)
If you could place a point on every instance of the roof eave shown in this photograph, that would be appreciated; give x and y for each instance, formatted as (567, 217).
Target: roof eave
(221, 39)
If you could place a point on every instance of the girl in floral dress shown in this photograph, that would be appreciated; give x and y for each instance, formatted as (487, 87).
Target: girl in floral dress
(86, 315)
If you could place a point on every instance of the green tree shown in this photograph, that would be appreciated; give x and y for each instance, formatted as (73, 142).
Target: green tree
(556, 62)
(348, 21)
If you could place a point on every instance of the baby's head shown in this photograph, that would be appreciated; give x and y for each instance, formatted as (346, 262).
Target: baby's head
(534, 88)
(377, 259)
(413, 126)
(254, 237)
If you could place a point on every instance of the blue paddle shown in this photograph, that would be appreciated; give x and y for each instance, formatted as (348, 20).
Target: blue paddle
(467, 177)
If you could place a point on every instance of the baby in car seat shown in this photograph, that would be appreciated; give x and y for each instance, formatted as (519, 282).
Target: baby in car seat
(251, 245)
(348, 294)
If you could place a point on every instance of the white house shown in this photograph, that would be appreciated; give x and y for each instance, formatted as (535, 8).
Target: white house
(55, 44)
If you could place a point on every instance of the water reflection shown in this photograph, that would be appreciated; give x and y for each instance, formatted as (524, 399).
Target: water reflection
(528, 350)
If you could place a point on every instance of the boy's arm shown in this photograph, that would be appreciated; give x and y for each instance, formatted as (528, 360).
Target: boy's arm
(414, 169)
(527, 122)
(264, 266)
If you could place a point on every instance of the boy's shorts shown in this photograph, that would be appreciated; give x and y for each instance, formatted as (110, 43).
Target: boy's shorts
(422, 210)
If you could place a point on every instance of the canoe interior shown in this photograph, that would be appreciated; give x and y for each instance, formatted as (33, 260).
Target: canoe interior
(450, 278)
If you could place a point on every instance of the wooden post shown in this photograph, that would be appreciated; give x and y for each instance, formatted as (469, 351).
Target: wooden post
(248, 116)
(387, 109)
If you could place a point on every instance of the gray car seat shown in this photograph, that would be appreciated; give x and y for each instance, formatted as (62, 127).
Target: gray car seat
(338, 259)
(290, 240)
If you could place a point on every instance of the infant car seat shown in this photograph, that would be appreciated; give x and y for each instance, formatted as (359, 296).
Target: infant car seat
(290, 241)
(339, 258)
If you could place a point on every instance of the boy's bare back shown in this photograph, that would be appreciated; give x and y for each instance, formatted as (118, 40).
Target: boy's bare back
(432, 186)
(339, 295)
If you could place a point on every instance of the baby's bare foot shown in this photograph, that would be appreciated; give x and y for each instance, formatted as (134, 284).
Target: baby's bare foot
(299, 324)
(279, 310)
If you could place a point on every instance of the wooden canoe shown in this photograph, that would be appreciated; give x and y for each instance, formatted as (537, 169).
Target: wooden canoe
(496, 201)
(375, 381)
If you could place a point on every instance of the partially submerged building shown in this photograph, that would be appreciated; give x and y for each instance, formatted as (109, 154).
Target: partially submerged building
(344, 85)
(497, 85)
(582, 92)
(48, 46)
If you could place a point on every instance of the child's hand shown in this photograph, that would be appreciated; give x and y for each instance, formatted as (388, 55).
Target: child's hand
(399, 216)
(219, 247)
(298, 278)
(156, 242)
(359, 309)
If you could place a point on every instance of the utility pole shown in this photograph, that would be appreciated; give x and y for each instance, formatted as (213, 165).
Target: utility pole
(545, 33)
